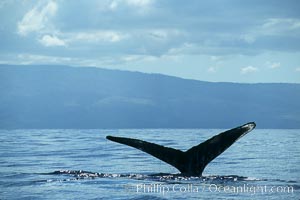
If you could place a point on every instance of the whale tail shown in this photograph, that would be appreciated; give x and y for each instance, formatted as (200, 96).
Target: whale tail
(193, 161)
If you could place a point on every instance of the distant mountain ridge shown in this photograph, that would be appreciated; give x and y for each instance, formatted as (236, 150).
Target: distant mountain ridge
(85, 97)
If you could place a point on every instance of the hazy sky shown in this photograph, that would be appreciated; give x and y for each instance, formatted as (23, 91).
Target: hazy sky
(233, 40)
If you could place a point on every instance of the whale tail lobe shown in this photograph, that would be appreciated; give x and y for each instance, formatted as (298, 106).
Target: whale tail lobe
(193, 161)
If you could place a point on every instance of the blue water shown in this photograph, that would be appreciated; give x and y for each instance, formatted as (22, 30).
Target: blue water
(46, 164)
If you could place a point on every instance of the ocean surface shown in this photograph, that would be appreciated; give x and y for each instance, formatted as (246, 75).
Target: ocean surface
(82, 164)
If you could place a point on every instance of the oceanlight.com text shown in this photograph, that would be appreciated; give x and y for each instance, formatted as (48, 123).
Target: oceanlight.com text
(163, 189)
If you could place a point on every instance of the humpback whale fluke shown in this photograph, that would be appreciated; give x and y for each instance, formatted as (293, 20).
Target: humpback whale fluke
(193, 161)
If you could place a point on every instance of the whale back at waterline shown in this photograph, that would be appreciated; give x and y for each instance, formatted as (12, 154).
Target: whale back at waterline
(193, 161)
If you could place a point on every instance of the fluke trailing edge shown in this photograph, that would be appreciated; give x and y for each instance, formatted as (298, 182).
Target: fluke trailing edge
(193, 161)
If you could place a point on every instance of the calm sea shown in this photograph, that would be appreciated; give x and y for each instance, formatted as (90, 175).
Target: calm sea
(82, 164)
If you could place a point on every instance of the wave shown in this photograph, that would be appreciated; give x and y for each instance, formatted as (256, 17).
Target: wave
(81, 174)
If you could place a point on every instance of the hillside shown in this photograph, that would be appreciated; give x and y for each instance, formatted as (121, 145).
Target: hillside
(82, 97)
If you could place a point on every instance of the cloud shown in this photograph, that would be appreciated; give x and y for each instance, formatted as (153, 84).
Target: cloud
(277, 25)
(249, 69)
(250, 39)
(139, 4)
(274, 29)
(170, 28)
(96, 36)
(131, 33)
(212, 70)
(145, 42)
(297, 69)
(37, 18)
(26, 59)
(273, 65)
(42, 59)
(138, 58)
(50, 41)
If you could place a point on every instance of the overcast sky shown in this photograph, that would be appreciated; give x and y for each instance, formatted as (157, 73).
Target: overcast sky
(232, 41)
